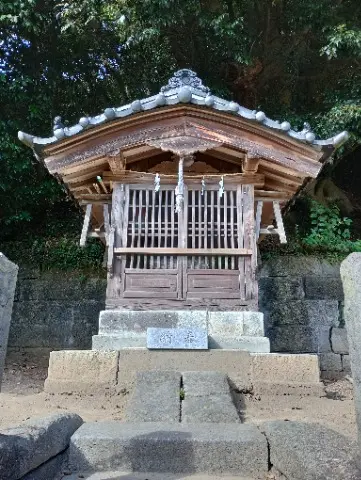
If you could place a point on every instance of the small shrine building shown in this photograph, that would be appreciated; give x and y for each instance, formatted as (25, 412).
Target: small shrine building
(181, 187)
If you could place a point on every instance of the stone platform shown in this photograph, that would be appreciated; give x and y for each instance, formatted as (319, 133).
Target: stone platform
(96, 372)
(123, 329)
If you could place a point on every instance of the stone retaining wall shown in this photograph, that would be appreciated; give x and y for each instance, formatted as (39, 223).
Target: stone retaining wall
(8, 276)
(302, 299)
(56, 310)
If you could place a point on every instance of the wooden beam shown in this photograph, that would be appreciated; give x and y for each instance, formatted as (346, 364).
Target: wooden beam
(94, 198)
(237, 252)
(130, 176)
(279, 221)
(272, 195)
(85, 174)
(226, 157)
(281, 178)
(86, 225)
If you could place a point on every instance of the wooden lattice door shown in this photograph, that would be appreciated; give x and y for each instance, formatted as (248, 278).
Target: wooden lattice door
(151, 223)
(223, 222)
(198, 263)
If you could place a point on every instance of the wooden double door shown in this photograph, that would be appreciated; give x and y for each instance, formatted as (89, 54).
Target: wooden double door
(191, 258)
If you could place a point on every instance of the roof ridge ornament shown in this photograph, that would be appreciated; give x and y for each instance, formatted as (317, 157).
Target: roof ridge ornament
(183, 87)
(185, 78)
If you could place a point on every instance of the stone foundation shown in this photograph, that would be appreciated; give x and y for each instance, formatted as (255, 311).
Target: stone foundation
(122, 329)
(101, 373)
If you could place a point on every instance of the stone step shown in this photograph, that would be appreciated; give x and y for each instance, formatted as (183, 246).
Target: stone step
(156, 397)
(89, 371)
(207, 398)
(180, 449)
(149, 476)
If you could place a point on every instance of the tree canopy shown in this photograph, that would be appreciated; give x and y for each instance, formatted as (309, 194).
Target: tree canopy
(295, 60)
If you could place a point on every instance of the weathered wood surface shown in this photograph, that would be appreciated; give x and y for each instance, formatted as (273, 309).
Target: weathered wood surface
(86, 224)
(237, 252)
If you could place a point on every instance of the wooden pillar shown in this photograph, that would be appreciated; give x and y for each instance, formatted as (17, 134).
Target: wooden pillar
(116, 239)
(247, 239)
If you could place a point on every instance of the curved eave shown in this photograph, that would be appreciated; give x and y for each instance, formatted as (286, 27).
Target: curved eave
(182, 96)
(200, 122)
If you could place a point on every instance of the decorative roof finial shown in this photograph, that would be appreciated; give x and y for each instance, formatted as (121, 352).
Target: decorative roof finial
(185, 78)
(57, 123)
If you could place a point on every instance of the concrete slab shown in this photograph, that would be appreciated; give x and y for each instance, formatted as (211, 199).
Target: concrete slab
(156, 398)
(227, 449)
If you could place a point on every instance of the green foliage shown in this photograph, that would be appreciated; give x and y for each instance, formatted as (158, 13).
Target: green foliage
(295, 60)
(329, 231)
(60, 253)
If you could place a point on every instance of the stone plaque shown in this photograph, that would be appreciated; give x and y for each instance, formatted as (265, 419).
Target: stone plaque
(177, 338)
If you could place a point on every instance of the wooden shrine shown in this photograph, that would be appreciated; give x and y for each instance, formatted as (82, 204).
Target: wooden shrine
(181, 186)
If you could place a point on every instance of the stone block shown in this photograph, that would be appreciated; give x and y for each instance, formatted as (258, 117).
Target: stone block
(209, 409)
(253, 324)
(330, 362)
(273, 290)
(50, 470)
(244, 343)
(292, 266)
(324, 339)
(339, 341)
(303, 451)
(312, 313)
(323, 288)
(66, 286)
(54, 324)
(84, 371)
(236, 364)
(8, 277)
(198, 384)
(133, 323)
(351, 279)
(288, 313)
(226, 324)
(28, 446)
(346, 364)
(279, 368)
(108, 343)
(156, 397)
(293, 339)
(234, 449)
(322, 312)
(190, 338)
(294, 389)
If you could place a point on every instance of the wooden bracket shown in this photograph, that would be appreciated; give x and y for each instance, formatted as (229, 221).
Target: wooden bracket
(250, 164)
(116, 163)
